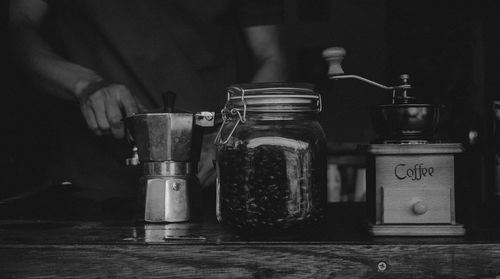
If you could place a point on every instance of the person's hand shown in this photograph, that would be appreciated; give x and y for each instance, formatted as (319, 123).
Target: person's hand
(105, 108)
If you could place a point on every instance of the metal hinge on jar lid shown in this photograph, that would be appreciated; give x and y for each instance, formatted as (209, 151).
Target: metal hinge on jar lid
(241, 118)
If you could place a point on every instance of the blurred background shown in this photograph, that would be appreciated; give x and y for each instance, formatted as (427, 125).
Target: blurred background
(449, 49)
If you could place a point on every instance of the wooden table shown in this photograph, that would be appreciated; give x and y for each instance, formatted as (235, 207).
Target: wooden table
(340, 249)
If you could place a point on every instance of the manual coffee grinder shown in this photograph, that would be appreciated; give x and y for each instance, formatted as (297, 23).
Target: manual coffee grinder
(167, 149)
(410, 173)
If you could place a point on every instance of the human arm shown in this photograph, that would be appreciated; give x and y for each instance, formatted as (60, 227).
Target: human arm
(101, 109)
(265, 45)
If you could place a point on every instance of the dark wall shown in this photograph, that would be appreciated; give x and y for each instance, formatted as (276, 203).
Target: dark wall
(441, 45)
(27, 124)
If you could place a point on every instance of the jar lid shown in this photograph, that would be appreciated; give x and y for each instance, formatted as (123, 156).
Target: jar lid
(273, 97)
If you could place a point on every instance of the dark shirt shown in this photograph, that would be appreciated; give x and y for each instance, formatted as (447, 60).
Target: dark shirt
(193, 48)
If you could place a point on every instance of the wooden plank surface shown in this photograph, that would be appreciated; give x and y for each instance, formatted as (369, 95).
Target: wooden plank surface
(341, 249)
(250, 261)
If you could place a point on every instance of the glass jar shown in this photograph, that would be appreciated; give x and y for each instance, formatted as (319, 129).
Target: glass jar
(271, 159)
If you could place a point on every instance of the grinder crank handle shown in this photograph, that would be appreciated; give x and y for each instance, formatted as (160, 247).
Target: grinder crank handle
(334, 57)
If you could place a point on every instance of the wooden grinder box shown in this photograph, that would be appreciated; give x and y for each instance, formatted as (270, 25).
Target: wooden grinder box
(410, 189)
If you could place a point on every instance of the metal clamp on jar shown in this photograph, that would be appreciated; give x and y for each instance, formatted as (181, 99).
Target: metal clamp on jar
(271, 160)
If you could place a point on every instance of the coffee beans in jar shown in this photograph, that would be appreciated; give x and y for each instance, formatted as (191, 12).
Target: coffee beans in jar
(271, 162)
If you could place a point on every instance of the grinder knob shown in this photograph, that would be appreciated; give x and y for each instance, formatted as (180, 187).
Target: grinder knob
(334, 57)
(419, 208)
